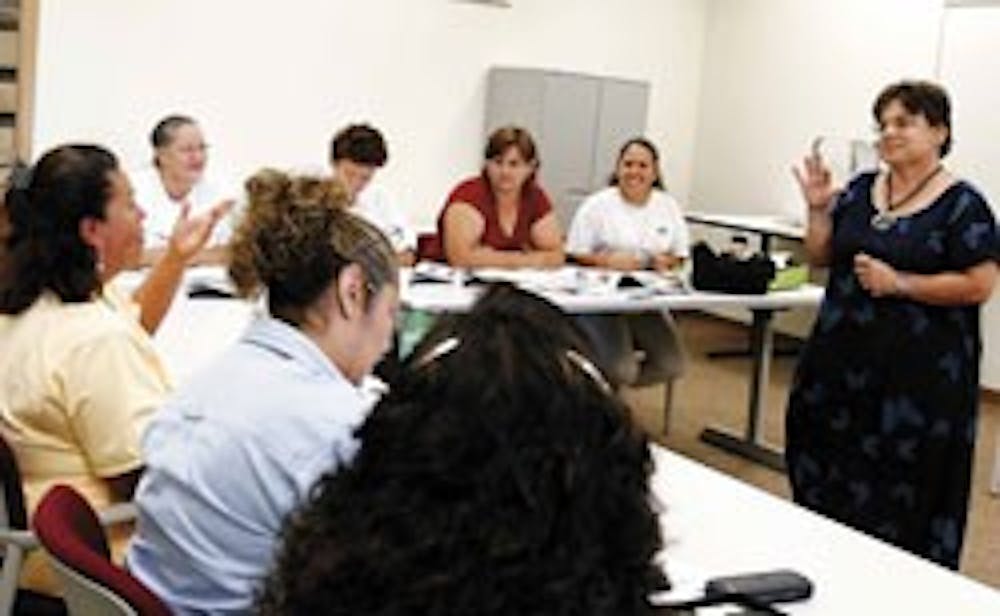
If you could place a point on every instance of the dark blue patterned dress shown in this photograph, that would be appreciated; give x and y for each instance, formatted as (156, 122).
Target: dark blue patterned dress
(882, 415)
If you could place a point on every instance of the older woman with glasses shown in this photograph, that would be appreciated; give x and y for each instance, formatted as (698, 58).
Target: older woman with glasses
(176, 180)
(882, 415)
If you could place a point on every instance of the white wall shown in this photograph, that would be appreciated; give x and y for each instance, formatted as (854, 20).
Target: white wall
(270, 81)
(779, 72)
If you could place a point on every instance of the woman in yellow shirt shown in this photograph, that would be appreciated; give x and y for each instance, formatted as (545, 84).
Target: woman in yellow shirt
(79, 378)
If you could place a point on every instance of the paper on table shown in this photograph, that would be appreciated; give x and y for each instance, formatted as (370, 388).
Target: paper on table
(582, 280)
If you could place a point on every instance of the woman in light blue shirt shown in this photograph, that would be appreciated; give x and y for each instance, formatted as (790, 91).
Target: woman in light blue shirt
(240, 445)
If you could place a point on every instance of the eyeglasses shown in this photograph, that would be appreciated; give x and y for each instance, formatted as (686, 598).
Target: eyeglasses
(200, 148)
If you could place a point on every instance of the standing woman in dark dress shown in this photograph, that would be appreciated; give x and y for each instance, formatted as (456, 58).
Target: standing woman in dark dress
(882, 416)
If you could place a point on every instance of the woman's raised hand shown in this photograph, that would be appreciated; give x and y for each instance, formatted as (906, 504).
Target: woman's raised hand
(815, 180)
(191, 233)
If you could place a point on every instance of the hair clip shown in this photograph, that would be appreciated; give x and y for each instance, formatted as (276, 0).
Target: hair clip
(589, 369)
(442, 348)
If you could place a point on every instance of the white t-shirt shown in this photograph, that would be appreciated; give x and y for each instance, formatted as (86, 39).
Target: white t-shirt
(377, 206)
(161, 210)
(606, 222)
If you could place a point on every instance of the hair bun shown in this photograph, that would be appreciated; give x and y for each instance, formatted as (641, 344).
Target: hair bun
(315, 190)
(268, 185)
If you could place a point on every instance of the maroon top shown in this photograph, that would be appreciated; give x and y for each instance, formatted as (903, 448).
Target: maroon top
(476, 192)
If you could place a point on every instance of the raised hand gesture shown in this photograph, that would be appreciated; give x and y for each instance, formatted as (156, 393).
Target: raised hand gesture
(815, 180)
(191, 233)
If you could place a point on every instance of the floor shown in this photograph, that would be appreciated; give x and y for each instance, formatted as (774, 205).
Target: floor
(713, 391)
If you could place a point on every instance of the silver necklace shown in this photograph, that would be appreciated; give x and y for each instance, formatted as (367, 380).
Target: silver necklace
(884, 220)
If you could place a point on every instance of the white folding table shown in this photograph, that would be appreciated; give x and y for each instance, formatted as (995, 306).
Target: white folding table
(454, 297)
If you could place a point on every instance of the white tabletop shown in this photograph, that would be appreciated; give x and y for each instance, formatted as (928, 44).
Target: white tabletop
(712, 524)
(757, 223)
(456, 297)
(715, 525)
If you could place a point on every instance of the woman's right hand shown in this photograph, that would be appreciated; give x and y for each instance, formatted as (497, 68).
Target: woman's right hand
(816, 182)
(191, 233)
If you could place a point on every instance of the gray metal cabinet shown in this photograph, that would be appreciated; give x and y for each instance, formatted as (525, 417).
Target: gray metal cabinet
(579, 122)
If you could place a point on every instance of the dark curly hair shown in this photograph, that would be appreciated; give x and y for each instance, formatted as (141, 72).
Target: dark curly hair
(359, 143)
(42, 247)
(920, 98)
(296, 237)
(499, 476)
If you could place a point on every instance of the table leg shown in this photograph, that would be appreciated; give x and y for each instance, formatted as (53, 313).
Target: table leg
(751, 445)
(995, 487)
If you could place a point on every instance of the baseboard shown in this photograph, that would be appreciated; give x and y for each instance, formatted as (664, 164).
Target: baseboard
(991, 396)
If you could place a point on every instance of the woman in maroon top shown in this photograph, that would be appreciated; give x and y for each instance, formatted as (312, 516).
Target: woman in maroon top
(502, 218)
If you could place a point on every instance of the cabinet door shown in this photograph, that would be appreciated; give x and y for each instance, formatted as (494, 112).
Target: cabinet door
(514, 96)
(569, 120)
(621, 116)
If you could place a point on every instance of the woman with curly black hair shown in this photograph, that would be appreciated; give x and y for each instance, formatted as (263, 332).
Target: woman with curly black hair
(500, 476)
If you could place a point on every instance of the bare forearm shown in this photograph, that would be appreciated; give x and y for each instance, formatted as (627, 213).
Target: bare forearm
(157, 291)
(944, 289)
(610, 260)
(818, 240)
(489, 257)
(552, 257)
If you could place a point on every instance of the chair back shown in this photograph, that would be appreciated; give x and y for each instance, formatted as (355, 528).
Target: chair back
(72, 535)
(429, 247)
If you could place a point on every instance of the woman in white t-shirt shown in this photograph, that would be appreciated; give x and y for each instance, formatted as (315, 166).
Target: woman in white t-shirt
(630, 225)
(177, 180)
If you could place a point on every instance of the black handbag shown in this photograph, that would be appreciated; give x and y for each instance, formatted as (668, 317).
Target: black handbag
(728, 274)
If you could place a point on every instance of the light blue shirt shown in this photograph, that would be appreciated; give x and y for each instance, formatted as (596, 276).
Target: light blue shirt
(228, 457)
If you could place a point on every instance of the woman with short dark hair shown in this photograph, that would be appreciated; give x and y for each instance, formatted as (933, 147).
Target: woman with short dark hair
(357, 151)
(882, 416)
(500, 475)
(502, 217)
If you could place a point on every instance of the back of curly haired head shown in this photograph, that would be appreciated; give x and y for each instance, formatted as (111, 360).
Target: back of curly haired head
(499, 476)
(42, 246)
(296, 237)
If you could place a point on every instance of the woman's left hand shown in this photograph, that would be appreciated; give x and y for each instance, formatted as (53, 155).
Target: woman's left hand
(877, 277)
(191, 233)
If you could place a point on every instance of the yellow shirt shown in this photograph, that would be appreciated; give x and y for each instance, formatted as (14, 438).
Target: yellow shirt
(79, 382)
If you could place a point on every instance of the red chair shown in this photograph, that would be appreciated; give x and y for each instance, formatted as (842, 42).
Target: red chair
(69, 531)
(429, 247)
